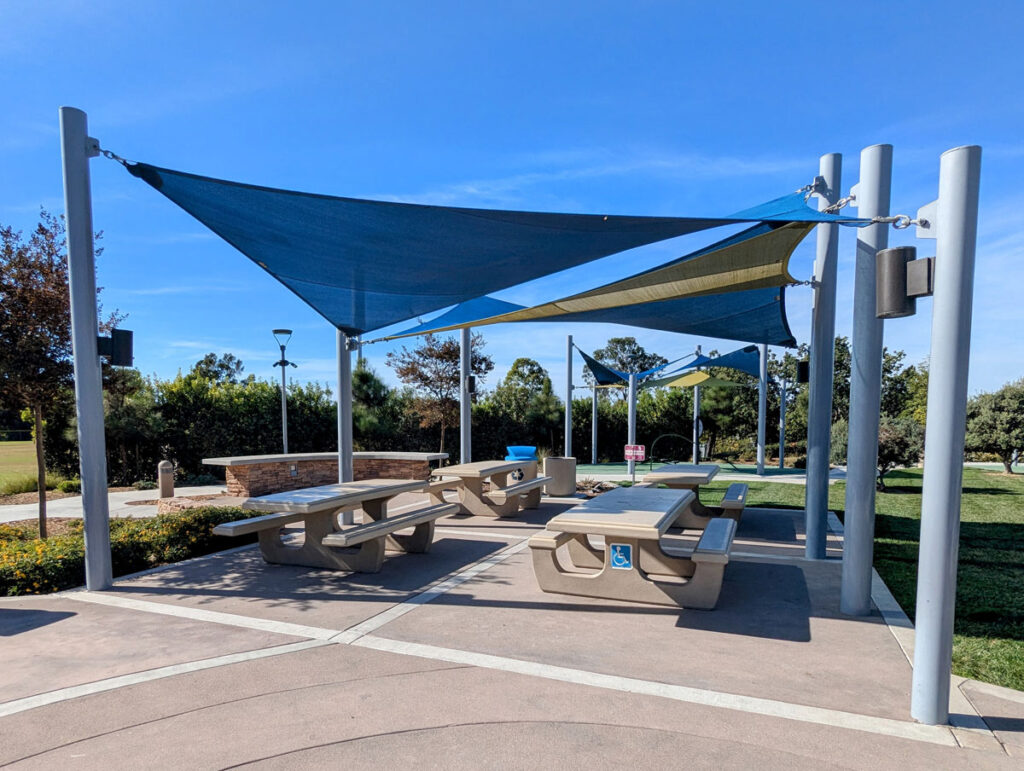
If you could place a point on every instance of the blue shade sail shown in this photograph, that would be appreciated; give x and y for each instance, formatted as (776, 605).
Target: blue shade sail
(603, 374)
(732, 289)
(746, 359)
(471, 310)
(367, 264)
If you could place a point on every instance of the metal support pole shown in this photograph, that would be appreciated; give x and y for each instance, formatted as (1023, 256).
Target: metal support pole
(696, 418)
(344, 409)
(593, 426)
(631, 430)
(782, 426)
(823, 336)
(696, 424)
(76, 149)
(465, 398)
(957, 228)
(762, 407)
(865, 386)
(568, 396)
(284, 402)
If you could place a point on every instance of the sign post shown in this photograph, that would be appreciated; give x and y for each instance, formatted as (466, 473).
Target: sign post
(635, 452)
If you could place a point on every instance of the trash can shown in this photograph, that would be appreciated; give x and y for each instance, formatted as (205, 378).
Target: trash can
(520, 452)
(563, 476)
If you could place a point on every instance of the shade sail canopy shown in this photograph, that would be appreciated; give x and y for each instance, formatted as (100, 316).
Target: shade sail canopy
(603, 374)
(746, 359)
(689, 380)
(477, 308)
(749, 269)
(368, 264)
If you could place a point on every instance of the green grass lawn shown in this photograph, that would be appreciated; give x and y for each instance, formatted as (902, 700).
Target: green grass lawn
(16, 459)
(989, 629)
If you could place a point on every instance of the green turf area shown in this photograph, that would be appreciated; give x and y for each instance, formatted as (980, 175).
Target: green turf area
(583, 469)
(17, 458)
(989, 632)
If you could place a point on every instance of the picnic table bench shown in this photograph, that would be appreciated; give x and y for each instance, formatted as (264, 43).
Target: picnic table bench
(688, 476)
(506, 493)
(360, 548)
(633, 564)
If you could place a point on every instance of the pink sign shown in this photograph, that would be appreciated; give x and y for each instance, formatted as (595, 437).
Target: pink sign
(635, 452)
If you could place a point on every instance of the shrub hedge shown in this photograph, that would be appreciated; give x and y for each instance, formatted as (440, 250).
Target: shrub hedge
(30, 565)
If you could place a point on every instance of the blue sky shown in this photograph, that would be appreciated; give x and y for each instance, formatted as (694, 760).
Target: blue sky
(662, 108)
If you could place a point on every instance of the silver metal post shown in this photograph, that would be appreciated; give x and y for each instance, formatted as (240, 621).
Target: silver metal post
(344, 409)
(956, 227)
(284, 403)
(76, 149)
(593, 426)
(865, 386)
(568, 396)
(631, 430)
(823, 334)
(782, 426)
(696, 424)
(762, 407)
(696, 418)
(340, 338)
(465, 398)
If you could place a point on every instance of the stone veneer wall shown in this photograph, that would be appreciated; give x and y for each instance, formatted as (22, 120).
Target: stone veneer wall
(252, 479)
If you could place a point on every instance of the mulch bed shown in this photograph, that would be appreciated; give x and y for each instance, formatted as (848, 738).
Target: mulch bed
(51, 495)
(54, 526)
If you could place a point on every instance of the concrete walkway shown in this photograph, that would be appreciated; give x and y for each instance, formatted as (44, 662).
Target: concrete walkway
(455, 659)
(119, 503)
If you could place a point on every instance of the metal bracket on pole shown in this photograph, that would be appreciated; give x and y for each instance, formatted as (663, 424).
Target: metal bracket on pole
(927, 219)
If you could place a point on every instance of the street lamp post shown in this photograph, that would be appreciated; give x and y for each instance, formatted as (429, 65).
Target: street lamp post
(282, 336)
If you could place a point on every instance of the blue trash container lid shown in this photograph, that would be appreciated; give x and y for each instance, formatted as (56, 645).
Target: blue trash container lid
(521, 452)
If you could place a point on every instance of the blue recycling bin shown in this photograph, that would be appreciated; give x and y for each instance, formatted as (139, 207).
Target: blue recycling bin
(521, 452)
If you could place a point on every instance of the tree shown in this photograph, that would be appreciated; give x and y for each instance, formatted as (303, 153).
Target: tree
(35, 328)
(432, 369)
(225, 369)
(900, 443)
(995, 423)
(522, 384)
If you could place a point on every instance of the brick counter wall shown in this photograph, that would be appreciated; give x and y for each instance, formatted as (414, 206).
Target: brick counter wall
(251, 480)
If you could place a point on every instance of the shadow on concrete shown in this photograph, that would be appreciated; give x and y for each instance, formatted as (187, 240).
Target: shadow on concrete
(246, 576)
(758, 599)
(17, 620)
(767, 526)
(1005, 724)
(526, 519)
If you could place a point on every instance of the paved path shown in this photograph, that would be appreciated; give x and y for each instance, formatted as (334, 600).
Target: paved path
(118, 503)
(455, 659)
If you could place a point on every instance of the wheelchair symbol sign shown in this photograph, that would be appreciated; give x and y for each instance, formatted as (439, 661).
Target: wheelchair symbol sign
(622, 556)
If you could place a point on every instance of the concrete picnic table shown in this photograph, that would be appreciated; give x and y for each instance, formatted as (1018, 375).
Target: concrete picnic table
(504, 498)
(325, 543)
(686, 476)
(632, 522)
(689, 476)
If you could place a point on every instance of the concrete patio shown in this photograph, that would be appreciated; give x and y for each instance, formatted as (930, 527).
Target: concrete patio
(455, 659)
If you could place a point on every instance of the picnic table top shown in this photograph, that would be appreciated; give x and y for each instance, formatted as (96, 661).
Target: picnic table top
(626, 512)
(482, 468)
(684, 473)
(311, 499)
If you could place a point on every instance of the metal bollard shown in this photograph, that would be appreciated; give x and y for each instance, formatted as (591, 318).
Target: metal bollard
(165, 478)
